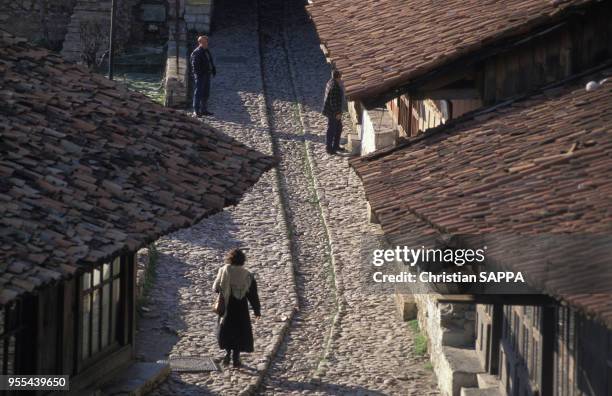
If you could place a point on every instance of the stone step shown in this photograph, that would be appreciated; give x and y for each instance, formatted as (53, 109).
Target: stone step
(138, 379)
(481, 392)
(486, 381)
(460, 366)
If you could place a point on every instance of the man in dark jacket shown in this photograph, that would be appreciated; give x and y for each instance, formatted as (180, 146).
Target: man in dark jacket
(202, 66)
(332, 109)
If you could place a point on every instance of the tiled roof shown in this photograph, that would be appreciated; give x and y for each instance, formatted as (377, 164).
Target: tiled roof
(89, 170)
(534, 176)
(379, 45)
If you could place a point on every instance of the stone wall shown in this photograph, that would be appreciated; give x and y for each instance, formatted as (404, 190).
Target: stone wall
(44, 22)
(142, 265)
(450, 330)
(198, 15)
(176, 81)
(87, 11)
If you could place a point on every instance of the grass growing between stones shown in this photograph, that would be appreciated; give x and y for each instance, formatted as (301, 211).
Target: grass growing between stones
(420, 340)
(149, 274)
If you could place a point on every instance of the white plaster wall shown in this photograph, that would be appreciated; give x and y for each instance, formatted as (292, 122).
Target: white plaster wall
(368, 139)
(378, 130)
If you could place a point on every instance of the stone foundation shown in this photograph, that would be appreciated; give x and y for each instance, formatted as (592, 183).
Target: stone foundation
(450, 329)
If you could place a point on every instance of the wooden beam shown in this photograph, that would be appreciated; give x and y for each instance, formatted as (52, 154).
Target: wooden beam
(447, 94)
(549, 335)
(501, 299)
(496, 335)
(68, 331)
(457, 76)
(133, 297)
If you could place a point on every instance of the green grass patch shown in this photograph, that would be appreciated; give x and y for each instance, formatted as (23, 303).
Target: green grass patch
(420, 340)
(145, 83)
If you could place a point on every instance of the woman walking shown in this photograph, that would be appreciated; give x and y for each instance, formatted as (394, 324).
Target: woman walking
(237, 285)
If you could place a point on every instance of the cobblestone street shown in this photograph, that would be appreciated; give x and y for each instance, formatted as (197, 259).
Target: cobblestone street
(302, 228)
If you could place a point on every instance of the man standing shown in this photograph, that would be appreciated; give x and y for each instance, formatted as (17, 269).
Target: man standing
(332, 109)
(202, 66)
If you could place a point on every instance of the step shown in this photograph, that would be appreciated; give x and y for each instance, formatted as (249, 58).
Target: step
(481, 392)
(138, 379)
(460, 367)
(486, 381)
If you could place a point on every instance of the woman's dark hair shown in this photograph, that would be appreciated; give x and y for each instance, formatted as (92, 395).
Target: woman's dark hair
(235, 257)
(336, 73)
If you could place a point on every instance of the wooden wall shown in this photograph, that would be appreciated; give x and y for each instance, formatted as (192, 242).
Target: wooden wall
(48, 334)
(581, 43)
(583, 356)
(546, 351)
(414, 116)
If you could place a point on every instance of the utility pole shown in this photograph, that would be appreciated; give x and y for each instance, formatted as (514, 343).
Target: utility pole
(111, 49)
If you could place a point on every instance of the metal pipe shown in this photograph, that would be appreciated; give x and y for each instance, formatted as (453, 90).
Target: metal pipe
(111, 50)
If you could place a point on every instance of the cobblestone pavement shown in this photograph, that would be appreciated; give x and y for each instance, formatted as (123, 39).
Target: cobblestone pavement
(180, 321)
(303, 225)
(370, 351)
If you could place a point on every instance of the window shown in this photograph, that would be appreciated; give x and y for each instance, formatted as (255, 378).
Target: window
(100, 296)
(525, 343)
(609, 362)
(535, 361)
(515, 331)
(10, 320)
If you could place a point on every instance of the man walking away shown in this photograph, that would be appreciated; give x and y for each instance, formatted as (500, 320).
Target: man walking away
(202, 66)
(332, 109)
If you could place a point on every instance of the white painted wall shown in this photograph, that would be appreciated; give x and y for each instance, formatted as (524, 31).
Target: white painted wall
(378, 131)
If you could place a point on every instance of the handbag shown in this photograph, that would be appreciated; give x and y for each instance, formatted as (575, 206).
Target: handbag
(219, 305)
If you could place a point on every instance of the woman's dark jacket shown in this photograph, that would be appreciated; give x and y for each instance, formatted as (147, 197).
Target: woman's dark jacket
(235, 330)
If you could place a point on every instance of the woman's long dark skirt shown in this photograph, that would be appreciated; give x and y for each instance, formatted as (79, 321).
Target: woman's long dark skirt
(235, 331)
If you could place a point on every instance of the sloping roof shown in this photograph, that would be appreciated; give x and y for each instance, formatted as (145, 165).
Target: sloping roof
(534, 176)
(89, 170)
(381, 44)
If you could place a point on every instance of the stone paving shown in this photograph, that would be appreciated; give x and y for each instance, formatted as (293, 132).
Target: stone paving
(303, 225)
(180, 320)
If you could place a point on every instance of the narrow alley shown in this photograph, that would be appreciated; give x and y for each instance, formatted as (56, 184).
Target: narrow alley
(302, 227)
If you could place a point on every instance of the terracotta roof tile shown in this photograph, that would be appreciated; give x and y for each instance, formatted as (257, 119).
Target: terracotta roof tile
(381, 44)
(532, 177)
(90, 170)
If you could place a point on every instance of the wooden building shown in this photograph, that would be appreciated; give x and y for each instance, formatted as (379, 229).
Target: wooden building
(424, 63)
(89, 173)
(529, 179)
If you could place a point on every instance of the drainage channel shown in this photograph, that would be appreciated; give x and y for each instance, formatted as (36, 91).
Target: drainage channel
(307, 343)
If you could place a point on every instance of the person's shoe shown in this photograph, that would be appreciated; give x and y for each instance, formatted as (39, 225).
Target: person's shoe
(342, 150)
(330, 152)
(197, 114)
(207, 113)
(237, 364)
(226, 360)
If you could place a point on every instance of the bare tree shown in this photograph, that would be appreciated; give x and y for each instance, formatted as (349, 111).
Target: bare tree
(94, 34)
